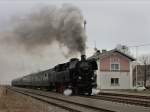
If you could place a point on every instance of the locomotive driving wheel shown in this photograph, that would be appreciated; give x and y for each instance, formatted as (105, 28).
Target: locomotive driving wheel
(90, 92)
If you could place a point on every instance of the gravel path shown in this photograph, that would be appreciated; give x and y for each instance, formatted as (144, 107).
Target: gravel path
(15, 102)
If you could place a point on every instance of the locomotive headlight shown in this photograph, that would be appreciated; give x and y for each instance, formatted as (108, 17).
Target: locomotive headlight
(80, 77)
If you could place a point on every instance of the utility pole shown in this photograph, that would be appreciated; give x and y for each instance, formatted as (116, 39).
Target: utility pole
(84, 24)
(136, 78)
(95, 48)
(84, 52)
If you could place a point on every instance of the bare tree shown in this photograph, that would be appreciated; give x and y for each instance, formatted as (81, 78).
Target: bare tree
(145, 60)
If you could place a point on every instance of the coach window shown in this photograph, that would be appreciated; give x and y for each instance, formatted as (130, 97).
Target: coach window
(46, 75)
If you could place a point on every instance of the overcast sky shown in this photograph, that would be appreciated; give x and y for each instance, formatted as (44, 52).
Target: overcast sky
(109, 22)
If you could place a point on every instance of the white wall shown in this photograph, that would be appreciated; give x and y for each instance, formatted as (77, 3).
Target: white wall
(104, 80)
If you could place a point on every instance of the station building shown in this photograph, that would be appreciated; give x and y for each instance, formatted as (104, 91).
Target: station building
(114, 69)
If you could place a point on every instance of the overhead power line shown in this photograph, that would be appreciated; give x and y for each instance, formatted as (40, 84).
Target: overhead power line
(140, 45)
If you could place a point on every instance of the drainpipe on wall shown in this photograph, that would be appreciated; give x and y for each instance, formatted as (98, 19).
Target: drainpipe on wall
(131, 75)
(145, 70)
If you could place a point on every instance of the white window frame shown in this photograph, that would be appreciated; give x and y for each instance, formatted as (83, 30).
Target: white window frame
(115, 70)
(112, 61)
(114, 84)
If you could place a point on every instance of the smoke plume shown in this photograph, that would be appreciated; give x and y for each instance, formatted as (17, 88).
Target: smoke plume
(48, 24)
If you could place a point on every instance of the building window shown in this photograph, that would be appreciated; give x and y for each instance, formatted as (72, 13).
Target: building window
(115, 67)
(114, 81)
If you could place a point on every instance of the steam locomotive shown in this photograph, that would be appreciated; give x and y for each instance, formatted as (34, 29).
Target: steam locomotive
(77, 75)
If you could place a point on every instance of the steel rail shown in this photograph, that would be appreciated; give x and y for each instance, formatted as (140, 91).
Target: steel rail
(29, 93)
(122, 99)
(48, 102)
(126, 95)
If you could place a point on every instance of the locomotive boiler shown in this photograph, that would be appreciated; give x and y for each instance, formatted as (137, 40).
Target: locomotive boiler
(76, 75)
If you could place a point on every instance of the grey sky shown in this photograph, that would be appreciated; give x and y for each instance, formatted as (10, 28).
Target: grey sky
(109, 22)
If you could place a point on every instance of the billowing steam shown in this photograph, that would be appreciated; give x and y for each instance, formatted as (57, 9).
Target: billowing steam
(49, 24)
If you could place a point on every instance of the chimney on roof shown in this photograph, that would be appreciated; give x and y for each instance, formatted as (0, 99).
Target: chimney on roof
(98, 51)
(104, 51)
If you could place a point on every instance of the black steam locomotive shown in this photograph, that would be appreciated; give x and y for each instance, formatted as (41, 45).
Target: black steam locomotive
(76, 75)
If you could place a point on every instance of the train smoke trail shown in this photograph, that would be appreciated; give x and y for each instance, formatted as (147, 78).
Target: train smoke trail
(49, 24)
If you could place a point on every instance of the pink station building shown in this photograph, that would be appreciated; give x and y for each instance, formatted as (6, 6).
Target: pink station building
(114, 69)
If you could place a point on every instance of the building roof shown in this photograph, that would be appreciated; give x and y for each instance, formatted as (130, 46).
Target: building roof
(98, 55)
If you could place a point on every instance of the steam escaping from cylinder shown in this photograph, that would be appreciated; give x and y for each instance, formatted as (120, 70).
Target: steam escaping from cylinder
(67, 92)
(49, 24)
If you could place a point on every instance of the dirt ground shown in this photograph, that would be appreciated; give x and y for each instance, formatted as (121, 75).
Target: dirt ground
(15, 102)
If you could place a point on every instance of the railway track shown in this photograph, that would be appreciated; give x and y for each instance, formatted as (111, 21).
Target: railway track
(124, 98)
(65, 104)
(126, 95)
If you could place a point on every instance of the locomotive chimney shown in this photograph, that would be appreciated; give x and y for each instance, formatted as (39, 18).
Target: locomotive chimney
(83, 57)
